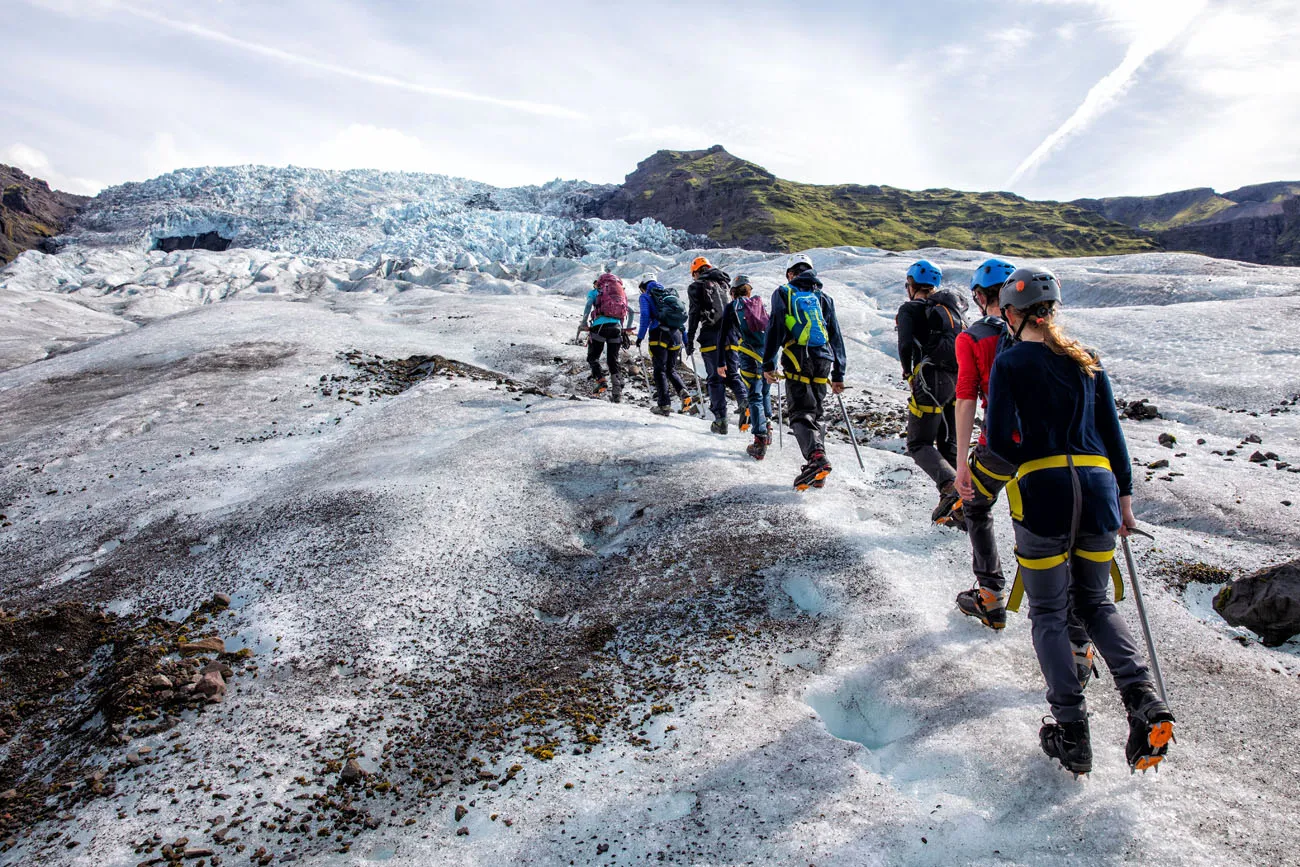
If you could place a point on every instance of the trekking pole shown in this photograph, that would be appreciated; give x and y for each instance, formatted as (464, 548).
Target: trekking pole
(780, 424)
(853, 437)
(699, 385)
(1142, 612)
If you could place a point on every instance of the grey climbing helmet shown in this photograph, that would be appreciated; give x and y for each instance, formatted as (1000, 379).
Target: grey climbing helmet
(1027, 287)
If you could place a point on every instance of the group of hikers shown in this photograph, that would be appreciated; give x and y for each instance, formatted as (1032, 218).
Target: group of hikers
(1051, 438)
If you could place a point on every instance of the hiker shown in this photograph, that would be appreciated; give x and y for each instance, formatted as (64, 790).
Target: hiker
(662, 318)
(804, 331)
(981, 474)
(707, 295)
(607, 319)
(1051, 413)
(744, 333)
(928, 324)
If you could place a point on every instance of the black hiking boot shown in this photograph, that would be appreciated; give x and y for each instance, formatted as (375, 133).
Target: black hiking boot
(1150, 727)
(757, 449)
(949, 511)
(599, 389)
(816, 470)
(1068, 743)
(688, 404)
(719, 425)
(661, 410)
(617, 394)
(986, 606)
(1085, 664)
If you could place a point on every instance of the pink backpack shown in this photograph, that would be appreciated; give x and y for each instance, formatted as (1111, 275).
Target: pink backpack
(756, 318)
(611, 301)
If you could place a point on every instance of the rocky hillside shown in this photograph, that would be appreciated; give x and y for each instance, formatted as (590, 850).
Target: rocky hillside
(736, 202)
(1258, 223)
(31, 212)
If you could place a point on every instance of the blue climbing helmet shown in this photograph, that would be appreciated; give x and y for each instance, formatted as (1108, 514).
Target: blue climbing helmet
(991, 275)
(925, 273)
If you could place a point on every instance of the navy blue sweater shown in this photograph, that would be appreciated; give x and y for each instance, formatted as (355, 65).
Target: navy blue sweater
(1042, 404)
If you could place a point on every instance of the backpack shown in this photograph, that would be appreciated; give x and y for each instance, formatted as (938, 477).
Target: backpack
(804, 317)
(715, 301)
(753, 317)
(668, 308)
(944, 317)
(611, 301)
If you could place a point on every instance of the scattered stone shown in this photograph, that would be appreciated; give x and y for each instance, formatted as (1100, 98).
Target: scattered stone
(462, 831)
(198, 853)
(460, 812)
(1258, 458)
(1267, 603)
(204, 645)
(222, 668)
(352, 772)
(1200, 442)
(160, 681)
(212, 684)
(1281, 465)
(9, 795)
(1167, 440)
(1253, 438)
(1158, 465)
(134, 760)
(221, 600)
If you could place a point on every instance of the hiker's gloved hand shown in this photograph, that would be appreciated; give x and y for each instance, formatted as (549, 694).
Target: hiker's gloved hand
(837, 387)
(638, 346)
(690, 348)
(770, 376)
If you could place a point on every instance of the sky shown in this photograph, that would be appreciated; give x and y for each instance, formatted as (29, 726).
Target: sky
(1052, 99)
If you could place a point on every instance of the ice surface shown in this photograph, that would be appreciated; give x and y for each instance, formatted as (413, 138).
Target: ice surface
(829, 705)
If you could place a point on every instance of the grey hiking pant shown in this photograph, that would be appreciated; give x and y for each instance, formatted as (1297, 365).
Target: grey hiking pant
(989, 475)
(932, 424)
(1054, 585)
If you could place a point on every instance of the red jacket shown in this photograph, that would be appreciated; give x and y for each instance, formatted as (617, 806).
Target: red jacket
(976, 348)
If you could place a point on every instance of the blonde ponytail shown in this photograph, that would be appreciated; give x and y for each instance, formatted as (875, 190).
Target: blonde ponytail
(1056, 340)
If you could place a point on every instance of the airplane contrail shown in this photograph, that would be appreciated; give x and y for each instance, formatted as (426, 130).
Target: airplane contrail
(1106, 92)
(539, 108)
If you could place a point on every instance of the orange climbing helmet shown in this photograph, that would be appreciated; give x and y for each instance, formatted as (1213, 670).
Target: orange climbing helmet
(699, 265)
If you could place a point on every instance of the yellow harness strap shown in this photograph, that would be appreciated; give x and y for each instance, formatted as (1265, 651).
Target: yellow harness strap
(816, 379)
(1018, 587)
(708, 348)
(1055, 462)
(745, 349)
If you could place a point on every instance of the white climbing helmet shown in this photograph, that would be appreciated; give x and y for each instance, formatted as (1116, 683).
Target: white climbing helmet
(645, 278)
(796, 260)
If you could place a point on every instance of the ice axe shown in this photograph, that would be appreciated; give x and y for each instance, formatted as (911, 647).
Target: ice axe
(640, 356)
(1142, 611)
(853, 437)
(699, 384)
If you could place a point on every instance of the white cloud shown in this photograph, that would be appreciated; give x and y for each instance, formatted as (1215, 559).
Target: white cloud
(1157, 24)
(38, 165)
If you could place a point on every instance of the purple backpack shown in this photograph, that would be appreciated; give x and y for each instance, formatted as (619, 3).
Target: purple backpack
(756, 318)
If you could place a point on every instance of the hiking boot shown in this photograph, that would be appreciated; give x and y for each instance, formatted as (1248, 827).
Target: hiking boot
(757, 449)
(1068, 743)
(617, 394)
(1085, 663)
(599, 389)
(816, 470)
(744, 419)
(985, 605)
(949, 503)
(1150, 727)
(769, 435)
(688, 405)
(719, 425)
(661, 410)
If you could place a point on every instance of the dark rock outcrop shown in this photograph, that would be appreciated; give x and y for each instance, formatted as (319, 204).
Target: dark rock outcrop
(1267, 603)
(206, 241)
(31, 214)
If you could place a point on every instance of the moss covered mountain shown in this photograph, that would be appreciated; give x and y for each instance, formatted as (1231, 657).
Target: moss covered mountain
(30, 212)
(736, 202)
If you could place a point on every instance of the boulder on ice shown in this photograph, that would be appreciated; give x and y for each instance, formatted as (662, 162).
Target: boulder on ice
(1267, 603)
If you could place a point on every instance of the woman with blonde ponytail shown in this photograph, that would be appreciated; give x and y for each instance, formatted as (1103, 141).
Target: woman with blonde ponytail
(1051, 413)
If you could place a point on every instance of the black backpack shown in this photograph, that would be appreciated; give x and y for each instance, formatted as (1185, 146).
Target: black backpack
(717, 295)
(668, 308)
(944, 316)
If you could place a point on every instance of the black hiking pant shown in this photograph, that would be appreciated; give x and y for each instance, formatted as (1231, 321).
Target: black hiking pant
(665, 352)
(715, 356)
(989, 475)
(805, 398)
(932, 424)
(607, 338)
